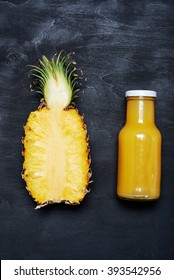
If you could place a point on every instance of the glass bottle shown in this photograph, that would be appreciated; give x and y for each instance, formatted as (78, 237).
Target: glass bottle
(139, 149)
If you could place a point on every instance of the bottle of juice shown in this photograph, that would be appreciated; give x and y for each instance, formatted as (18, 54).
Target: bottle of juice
(139, 149)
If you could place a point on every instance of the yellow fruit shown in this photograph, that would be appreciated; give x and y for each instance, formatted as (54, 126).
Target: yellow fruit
(56, 164)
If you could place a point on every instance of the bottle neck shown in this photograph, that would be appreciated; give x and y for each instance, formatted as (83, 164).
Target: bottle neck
(140, 110)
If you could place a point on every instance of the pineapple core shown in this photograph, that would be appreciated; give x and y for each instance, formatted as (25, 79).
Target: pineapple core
(56, 152)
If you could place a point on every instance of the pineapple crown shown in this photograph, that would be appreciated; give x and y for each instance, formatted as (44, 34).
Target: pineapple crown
(56, 79)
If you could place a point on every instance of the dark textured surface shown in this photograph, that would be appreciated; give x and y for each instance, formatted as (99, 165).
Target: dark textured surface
(119, 45)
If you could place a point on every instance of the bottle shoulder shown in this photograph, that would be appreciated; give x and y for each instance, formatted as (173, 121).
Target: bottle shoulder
(150, 129)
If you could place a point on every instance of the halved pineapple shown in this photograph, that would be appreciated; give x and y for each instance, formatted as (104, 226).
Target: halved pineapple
(56, 164)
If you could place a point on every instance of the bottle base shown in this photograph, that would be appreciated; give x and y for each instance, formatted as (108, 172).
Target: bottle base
(138, 197)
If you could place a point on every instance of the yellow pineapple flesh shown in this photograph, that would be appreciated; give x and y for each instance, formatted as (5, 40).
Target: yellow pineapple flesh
(56, 164)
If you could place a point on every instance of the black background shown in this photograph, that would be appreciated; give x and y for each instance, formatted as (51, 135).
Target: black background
(119, 45)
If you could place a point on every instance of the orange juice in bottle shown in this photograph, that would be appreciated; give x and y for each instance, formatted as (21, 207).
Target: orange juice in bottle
(139, 149)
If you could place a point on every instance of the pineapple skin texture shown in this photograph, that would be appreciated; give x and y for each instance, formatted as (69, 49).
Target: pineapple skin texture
(56, 164)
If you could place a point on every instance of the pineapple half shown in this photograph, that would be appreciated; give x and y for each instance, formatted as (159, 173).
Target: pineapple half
(56, 164)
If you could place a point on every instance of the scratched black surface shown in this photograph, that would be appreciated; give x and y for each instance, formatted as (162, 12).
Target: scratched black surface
(119, 45)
